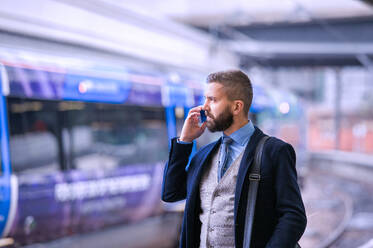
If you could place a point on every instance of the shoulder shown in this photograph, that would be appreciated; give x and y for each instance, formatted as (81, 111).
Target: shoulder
(276, 143)
(206, 148)
(275, 146)
(202, 152)
(199, 156)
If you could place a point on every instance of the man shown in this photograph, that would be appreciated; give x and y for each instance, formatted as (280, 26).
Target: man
(215, 184)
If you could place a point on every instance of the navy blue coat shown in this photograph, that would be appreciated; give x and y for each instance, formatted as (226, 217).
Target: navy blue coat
(279, 219)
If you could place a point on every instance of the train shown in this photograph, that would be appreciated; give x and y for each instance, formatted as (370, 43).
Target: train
(83, 148)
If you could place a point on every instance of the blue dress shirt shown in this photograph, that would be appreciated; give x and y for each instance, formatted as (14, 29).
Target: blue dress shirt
(241, 138)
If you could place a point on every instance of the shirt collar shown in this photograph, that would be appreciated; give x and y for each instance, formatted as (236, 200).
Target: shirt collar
(243, 135)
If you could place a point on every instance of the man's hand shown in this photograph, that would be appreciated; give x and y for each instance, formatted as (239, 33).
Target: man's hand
(191, 128)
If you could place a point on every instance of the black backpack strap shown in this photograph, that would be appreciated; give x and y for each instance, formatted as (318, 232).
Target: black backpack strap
(254, 178)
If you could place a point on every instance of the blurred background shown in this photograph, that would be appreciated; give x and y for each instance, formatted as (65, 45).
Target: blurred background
(93, 91)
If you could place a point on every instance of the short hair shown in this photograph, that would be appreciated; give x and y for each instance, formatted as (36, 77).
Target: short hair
(237, 86)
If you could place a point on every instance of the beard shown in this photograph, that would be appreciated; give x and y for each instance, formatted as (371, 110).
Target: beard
(220, 123)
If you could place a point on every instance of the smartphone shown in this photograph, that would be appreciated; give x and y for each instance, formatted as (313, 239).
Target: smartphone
(203, 116)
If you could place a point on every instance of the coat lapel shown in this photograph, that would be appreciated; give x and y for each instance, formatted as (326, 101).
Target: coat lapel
(246, 162)
(193, 199)
(198, 172)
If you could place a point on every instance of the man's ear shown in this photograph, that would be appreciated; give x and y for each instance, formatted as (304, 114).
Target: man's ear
(237, 106)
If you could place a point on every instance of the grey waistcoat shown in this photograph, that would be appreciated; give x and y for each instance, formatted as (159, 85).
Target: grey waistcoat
(217, 205)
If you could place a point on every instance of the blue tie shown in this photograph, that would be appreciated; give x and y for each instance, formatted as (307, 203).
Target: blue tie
(224, 154)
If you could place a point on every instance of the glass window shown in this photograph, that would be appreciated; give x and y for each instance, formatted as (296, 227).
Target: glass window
(33, 137)
(48, 135)
(106, 136)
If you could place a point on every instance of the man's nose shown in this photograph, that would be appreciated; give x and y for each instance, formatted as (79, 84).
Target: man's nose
(205, 106)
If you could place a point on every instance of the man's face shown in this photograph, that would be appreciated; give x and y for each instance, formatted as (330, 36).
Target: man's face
(217, 108)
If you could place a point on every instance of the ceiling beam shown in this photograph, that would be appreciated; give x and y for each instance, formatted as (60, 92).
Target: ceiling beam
(268, 48)
(368, 2)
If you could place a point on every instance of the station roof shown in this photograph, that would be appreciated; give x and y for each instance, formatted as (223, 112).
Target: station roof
(337, 42)
(247, 12)
(279, 33)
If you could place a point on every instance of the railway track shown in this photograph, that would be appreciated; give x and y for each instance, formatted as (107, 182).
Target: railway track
(359, 230)
(339, 206)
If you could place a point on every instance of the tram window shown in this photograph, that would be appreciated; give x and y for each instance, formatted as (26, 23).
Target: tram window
(33, 135)
(106, 136)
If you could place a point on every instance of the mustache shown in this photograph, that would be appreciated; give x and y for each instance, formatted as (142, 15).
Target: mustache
(208, 114)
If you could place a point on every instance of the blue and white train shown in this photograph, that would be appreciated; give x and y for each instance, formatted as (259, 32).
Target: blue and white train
(85, 149)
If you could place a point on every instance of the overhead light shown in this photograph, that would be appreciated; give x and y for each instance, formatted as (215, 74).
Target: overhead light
(284, 108)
